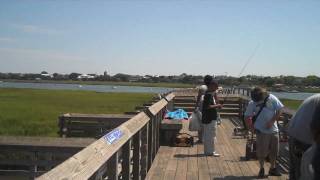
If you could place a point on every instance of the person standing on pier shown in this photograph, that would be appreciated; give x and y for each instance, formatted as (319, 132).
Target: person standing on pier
(265, 109)
(202, 91)
(300, 133)
(209, 119)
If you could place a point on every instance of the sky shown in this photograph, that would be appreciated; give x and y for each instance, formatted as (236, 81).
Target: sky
(166, 37)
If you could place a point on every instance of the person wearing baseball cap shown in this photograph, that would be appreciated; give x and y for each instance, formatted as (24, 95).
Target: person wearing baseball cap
(209, 119)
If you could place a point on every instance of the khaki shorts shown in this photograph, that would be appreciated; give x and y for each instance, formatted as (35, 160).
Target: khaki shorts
(267, 145)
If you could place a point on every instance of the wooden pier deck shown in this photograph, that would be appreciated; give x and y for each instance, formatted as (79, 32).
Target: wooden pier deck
(189, 163)
(133, 151)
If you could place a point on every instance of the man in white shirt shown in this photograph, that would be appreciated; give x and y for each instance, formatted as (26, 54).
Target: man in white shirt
(267, 109)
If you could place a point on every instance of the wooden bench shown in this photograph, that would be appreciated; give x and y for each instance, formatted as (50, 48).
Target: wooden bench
(168, 130)
(89, 125)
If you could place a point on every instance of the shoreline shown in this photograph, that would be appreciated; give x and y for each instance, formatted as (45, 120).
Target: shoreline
(141, 84)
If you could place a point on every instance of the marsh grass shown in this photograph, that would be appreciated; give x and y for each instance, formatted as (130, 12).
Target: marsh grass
(291, 104)
(30, 112)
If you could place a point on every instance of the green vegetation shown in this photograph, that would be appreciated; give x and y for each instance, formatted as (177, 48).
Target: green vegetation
(29, 112)
(143, 84)
(309, 90)
(291, 104)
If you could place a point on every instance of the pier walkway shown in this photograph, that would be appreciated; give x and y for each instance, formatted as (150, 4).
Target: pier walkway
(134, 150)
(189, 163)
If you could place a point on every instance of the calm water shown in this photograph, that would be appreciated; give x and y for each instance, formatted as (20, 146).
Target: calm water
(97, 88)
(295, 96)
(135, 89)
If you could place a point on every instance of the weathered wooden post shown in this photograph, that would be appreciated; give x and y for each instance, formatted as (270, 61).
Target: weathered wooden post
(126, 160)
(112, 167)
(136, 156)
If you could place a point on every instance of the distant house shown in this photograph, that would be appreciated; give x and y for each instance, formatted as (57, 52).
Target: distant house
(45, 74)
(135, 78)
(279, 87)
(85, 76)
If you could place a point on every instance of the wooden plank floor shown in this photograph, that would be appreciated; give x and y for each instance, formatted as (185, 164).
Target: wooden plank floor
(182, 163)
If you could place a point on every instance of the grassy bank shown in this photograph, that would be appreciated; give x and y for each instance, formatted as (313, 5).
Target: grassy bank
(29, 112)
(291, 104)
(308, 90)
(168, 85)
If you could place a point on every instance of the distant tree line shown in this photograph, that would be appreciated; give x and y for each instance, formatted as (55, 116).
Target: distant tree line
(248, 80)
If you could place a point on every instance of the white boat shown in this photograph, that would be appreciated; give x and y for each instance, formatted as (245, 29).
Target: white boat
(114, 87)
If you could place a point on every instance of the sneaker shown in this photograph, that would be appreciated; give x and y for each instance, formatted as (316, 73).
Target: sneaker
(215, 154)
(274, 172)
(261, 173)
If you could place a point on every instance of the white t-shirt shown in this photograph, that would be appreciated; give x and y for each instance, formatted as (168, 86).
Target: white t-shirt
(272, 106)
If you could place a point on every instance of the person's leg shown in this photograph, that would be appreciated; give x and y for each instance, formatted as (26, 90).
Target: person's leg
(200, 131)
(296, 149)
(262, 151)
(207, 139)
(200, 134)
(214, 135)
(274, 152)
(293, 160)
(218, 119)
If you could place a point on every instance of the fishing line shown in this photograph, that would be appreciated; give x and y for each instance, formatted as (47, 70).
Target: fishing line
(249, 59)
(246, 64)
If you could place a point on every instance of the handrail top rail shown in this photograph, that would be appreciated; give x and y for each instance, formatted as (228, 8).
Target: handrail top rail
(155, 108)
(170, 96)
(75, 115)
(23, 141)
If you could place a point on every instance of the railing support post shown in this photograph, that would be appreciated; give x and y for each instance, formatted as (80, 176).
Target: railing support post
(126, 160)
(144, 151)
(112, 167)
(136, 156)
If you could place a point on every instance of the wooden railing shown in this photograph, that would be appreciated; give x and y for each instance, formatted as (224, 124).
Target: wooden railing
(237, 90)
(127, 152)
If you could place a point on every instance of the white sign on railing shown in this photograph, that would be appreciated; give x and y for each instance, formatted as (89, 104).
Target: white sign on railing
(112, 136)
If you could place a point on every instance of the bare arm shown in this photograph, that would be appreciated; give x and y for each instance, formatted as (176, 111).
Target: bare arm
(216, 106)
(274, 118)
(207, 100)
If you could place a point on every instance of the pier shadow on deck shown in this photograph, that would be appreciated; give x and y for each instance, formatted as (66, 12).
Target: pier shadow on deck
(190, 164)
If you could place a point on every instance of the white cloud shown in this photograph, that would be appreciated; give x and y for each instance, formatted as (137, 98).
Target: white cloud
(28, 28)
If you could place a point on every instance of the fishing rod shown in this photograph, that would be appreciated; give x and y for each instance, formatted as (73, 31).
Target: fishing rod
(246, 65)
(241, 72)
